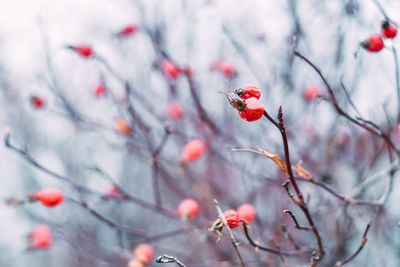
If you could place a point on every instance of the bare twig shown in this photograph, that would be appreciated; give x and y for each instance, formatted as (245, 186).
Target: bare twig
(362, 244)
(296, 223)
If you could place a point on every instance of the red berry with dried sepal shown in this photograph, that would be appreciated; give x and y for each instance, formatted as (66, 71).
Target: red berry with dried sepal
(37, 102)
(248, 91)
(374, 43)
(40, 237)
(232, 218)
(253, 110)
(50, 197)
(389, 30)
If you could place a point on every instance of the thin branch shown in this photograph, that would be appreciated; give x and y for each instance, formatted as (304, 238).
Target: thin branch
(362, 244)
(296, 223)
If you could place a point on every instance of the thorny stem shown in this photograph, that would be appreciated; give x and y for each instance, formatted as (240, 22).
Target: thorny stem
(235, 244)
(362, 244)
(299, 196)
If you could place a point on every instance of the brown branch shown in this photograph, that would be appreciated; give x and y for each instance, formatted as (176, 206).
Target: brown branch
(361, 246)
(296, 223)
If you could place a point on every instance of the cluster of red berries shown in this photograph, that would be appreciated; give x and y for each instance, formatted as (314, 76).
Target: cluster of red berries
(247, 102)
(375, 43)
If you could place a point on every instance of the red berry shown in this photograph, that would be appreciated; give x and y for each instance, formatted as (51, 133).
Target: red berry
(193, 150)
(389, 30)
(311, 93)
(175, 111)
(128, 30)
(170, 69)
(41, 237)
(225, 68)
(374, 43)
(112, 191)
(253, 111)
(83, 50)
(188, 208)
(247, 212)
(232, 218)
(398, 130)
(144, 253)
(123, 127)
(249, 91)
(100, 90)
(50, 197)
(37, 102)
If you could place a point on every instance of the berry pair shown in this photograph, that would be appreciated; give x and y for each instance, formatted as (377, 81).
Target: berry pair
(375, 43)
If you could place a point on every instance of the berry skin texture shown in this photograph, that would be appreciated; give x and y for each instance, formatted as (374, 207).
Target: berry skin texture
(175, 111)
(122, 127)
(193, 150)
(85, 51)
(100, 90)
(188, 208)
(253, 111)
(41, 237)
(247, 212)
(374, 43)
(249, 91)
(311, 93)
(144, 253)
(170, 69)
(50, 197)
(389, 30)
(37, 102)
(232, 218)
(225, 68)
(128, 30)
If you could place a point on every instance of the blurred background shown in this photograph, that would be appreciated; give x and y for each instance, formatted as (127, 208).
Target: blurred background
(119, 117)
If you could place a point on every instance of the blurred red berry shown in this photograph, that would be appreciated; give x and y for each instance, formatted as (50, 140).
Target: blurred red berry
(100, 90)
(374, 43)
(398, 130)
(83, 50)
(253, 111)
(37, 102)
(232, 218)
(123, 127)
(175, 111)
(113, 191)
(170, 69)
(389, 30)
(193, 150)
(247, 212)
(128, 30)
(144, 253)
(50, 197)
(225, 68)
(312, 93)
(249, 91)
(41, 237)
(188, 208)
